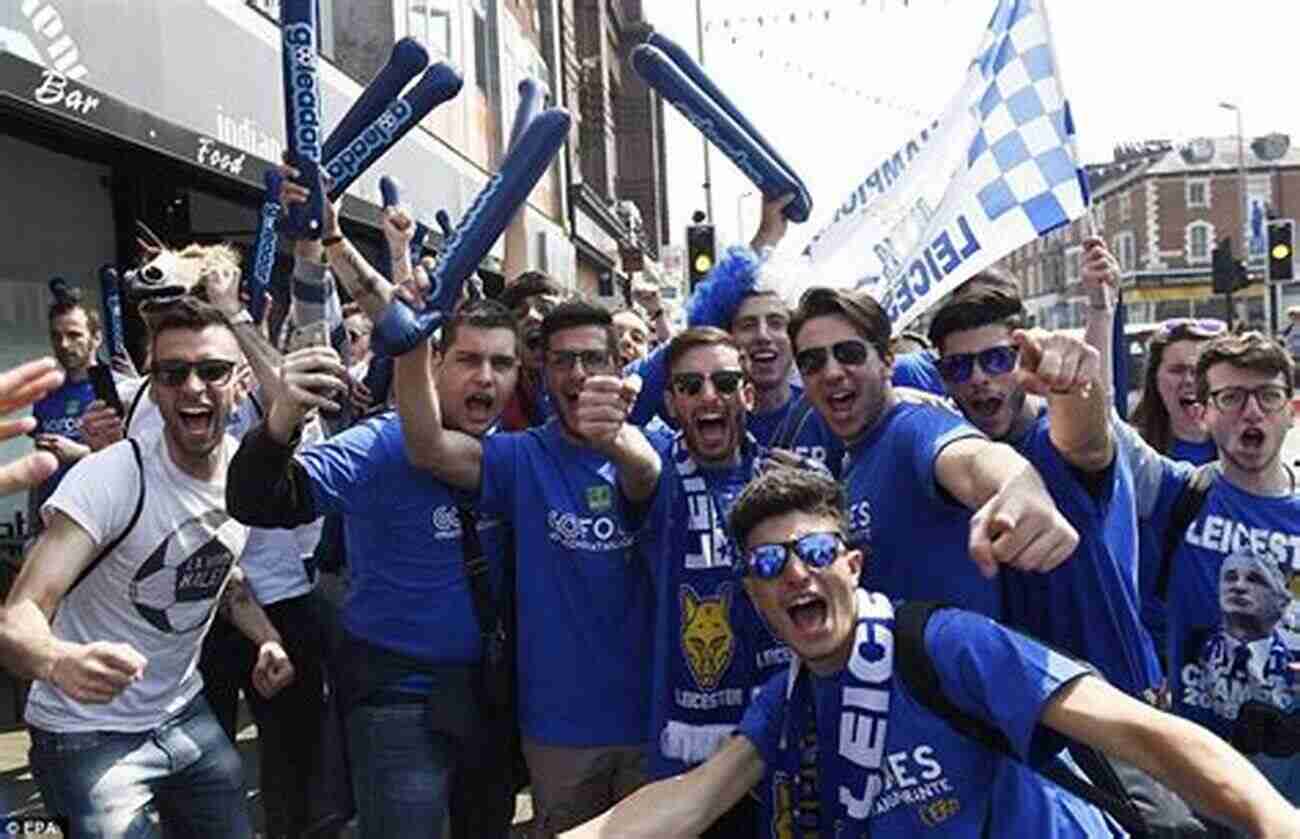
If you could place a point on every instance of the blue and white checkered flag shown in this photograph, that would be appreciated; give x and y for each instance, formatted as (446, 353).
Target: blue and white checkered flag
(997, 170)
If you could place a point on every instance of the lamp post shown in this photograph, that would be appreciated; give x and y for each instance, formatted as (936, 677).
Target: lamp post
(740, 222)
(708, 181)
(1244, 208)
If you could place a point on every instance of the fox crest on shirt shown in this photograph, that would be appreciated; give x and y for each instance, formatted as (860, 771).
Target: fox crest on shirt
(708, 641)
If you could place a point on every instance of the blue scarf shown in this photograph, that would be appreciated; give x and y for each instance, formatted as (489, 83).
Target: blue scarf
(859, 723)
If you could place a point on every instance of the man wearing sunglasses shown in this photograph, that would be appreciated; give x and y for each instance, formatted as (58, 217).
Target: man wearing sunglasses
(938, 506)
(111, 607)
(711, 648)
(585, 602)
(839, 745)
(737, 296)
(1043, 394)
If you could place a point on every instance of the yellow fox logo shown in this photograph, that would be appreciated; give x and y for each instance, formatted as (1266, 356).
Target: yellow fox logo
(707, 639)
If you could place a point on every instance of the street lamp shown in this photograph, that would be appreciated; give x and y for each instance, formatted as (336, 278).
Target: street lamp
(740, 222)
(1243, 207)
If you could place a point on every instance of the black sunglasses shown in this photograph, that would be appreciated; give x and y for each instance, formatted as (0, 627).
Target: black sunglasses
(815, 550)
(994, 361)
(592, 360)
(851, 353)
(725, 382)
(211, 371)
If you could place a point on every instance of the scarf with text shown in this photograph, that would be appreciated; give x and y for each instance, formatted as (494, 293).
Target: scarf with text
(860, 719)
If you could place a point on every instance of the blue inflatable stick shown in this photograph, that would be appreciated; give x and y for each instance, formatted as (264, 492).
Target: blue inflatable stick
(259, 279)
(302, 112)
(110, 293)
(487, 217)
(438, 84)
(407, 59)
(680, 81)
(532, 96)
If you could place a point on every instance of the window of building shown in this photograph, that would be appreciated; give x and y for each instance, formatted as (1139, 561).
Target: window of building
(429, 22)
(1126, 251)
(1198, 192)
(482, 56)
(1125, 206)
(1073, 261)
(1199, 236)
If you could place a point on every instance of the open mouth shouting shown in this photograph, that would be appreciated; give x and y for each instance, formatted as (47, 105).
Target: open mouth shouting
(480, 406)
(1190, 410)
(840, 401)
(986, 406)
(711, 429)
(808, 613)
(1253, 439)
(197, 421)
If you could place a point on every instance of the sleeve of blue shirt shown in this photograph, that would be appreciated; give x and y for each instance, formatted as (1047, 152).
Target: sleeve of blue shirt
(764, 718)
(932, 430)
(497, 485)
(346, 468)
(653, 370)
(918, 370)
(1001, 677)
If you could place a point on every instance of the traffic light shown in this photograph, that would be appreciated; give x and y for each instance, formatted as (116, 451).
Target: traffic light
(1229, 273)
(1281, 250)
(699, 252)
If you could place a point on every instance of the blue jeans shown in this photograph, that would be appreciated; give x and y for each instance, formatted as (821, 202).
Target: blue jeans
(401, 770)
(104, 781)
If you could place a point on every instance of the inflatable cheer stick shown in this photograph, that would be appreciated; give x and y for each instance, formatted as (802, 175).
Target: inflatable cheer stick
(486, 218)
(259, 279)
(680, 81)
(532, 96)
(302, 112)
(407, 59)
(391, 192)
(438, 84)
(110, 295)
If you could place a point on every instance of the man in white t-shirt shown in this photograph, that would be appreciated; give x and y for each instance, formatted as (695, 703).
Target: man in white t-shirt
(110, 609)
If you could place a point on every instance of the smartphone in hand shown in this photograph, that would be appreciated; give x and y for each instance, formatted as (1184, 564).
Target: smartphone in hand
(101, 379)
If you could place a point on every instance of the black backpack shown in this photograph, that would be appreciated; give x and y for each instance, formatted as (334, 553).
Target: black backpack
(1105, 791)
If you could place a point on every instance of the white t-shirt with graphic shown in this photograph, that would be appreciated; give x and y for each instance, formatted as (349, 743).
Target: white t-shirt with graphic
(273, 560)
(156, 591)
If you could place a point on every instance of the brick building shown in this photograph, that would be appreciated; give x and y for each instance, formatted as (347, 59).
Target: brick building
(617, 191)
(1162, 209)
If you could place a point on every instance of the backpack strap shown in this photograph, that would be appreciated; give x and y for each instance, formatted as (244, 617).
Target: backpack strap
(135, 517)
(1191, 498)
(788, 431)
(913, 663)
(135, 403)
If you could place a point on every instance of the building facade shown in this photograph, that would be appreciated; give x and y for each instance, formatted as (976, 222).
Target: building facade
(1162, 209)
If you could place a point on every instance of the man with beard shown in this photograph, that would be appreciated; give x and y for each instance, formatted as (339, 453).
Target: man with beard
(584, 606)
(1043, 394)
(75, 336)
(737, 296)
(109, 611)
(1251, 506)
(711, 648)
(841, 745)
(924, 487)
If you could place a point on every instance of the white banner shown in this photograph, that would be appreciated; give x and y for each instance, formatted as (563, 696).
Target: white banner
(997, 170)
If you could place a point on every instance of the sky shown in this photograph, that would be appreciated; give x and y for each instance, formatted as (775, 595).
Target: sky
(1132, 69)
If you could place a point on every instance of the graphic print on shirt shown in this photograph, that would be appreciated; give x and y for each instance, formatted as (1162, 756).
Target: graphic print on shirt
(598, 532)
(175, 588)
(708, 641)
(1247, 657)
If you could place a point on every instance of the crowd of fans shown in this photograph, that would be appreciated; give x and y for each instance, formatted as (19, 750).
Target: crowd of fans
(647, 574)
